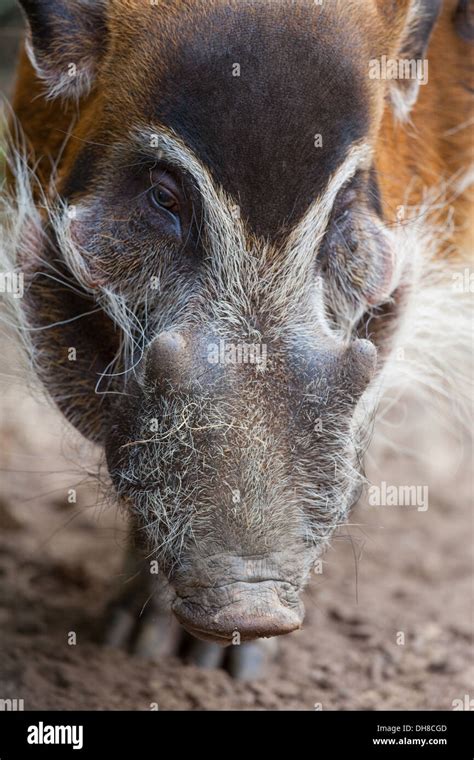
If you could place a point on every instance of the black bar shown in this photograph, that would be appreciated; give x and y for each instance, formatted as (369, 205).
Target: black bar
(369, 734)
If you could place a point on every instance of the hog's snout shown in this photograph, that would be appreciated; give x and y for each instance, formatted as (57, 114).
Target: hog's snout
(221, 596)
(237, 474)
(251, 610)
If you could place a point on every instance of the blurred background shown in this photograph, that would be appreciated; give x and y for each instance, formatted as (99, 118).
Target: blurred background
(11, 27)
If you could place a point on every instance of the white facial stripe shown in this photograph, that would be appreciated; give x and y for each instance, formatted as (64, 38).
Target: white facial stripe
(240, 263)
(289, 274)
(163, 144)
(233, 278)
(218, 206)
(308, 232)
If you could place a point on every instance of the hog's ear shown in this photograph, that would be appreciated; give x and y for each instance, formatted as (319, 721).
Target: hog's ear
(65, 42)
(412, 23)
(464, 20)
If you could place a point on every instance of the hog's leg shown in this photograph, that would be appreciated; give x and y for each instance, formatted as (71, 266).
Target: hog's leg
(243, 662)
(139, 620)
(251, 660)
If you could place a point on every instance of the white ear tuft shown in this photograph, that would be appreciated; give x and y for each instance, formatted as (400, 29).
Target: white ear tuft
(412, 62)
(65, 42)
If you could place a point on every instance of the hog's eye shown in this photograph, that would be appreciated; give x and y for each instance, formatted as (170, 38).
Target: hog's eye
(168, 202)
(163, 198)
(165, 192)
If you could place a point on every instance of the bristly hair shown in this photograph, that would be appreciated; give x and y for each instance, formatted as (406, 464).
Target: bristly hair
(432, 358)
(431, 353)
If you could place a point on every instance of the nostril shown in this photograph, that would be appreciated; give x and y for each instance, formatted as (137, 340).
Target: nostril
(275, 623)
(224, 627)
(166, 358)
(247, 615)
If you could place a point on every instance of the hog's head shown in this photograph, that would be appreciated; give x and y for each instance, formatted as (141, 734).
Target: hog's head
(215, 251)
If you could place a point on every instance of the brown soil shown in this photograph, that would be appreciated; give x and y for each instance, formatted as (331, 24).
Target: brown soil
(393, 570)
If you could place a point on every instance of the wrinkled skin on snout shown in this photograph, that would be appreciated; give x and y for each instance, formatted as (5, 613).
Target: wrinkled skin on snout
(239, 473)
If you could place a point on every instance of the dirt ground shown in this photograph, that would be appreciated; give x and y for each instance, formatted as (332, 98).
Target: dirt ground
(389, 620)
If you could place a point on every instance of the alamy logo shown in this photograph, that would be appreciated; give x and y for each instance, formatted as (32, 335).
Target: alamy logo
(12, 705)
(226, 352)
(41, 734)
(466, 703)
(386, 495)
(399, 68)
(12, 282)
(463, 282)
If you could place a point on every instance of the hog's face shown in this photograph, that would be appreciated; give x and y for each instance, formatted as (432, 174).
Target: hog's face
(219, 231)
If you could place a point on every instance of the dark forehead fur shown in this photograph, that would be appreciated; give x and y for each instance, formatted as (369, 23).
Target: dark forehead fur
(256, 132)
